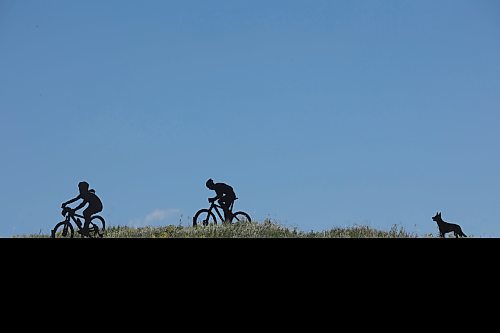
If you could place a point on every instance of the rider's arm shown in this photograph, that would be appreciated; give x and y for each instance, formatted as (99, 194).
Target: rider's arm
(70, 201)
(218, 196)
(80, 205)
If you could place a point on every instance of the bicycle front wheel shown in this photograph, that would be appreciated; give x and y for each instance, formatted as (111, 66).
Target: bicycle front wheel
(63, 230)
(204, 217)
(241, 217)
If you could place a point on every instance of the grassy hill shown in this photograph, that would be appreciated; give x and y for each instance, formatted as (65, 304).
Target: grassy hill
(267, 229)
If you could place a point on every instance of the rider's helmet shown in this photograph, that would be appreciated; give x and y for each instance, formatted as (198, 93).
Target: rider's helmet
(210, 183)
(83, 186)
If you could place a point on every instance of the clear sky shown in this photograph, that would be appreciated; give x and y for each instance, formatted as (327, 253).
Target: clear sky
(320, 113)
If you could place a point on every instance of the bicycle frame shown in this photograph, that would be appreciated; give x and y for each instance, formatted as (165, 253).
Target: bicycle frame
(74, 217)
(95, 229)
(203, 216)
(216, 208)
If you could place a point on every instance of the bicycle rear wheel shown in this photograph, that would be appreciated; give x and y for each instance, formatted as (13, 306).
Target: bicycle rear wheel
(97, 226)
(94, 231)
(63, 230)
(241, 217)
(204, 217)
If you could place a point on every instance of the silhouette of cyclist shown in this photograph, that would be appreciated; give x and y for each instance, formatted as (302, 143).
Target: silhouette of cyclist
(88, 196)
(225, 195)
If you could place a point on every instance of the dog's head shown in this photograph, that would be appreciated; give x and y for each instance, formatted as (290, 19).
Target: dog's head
(437, 217)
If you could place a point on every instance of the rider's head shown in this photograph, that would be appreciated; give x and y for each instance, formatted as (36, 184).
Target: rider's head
(83, 187)
(210, 183)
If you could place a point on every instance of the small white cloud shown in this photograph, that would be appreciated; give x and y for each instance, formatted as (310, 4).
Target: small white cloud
(156, 217)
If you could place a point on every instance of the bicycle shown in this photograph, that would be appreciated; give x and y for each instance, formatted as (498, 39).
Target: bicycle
(65, 229)
(206, 216)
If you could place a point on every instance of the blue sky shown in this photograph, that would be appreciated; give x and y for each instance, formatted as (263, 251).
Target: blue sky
(319, 113)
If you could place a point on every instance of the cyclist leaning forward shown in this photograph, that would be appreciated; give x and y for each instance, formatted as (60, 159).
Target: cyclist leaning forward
(226, 196)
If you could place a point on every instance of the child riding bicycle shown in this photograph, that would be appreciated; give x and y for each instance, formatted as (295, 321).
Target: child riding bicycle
(88, 196)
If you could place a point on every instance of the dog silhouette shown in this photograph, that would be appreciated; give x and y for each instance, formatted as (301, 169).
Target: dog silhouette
(445, 227)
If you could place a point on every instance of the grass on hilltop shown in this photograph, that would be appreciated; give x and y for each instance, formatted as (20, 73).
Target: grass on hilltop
(267, 229)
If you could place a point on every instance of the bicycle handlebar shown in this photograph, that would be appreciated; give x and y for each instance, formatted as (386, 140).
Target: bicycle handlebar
(65, 210)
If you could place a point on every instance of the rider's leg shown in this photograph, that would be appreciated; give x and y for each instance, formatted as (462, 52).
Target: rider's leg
(225, 209)
(87, 214)
(225, 203)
